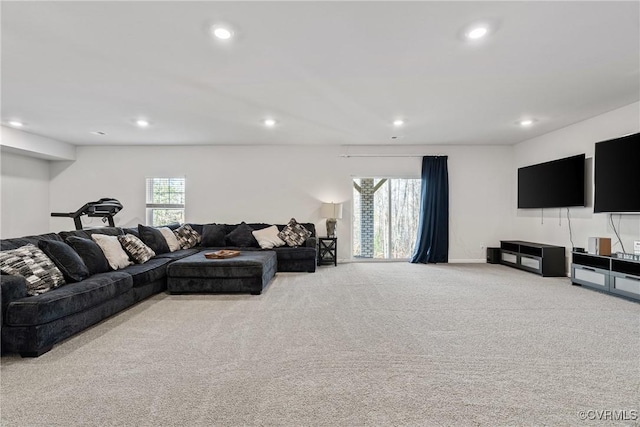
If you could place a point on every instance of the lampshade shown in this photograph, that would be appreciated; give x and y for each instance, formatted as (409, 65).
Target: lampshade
(331, 210)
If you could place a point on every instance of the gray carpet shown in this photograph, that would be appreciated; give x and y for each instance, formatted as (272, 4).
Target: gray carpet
(360, 344)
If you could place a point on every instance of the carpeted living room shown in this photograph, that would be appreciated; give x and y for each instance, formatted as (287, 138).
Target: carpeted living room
(320, 213)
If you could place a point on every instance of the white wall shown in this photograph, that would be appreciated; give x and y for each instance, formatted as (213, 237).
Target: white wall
(552, 227)
(272, 184)
(24, 195)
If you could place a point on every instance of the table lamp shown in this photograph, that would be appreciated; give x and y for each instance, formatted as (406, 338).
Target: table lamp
(331, 211)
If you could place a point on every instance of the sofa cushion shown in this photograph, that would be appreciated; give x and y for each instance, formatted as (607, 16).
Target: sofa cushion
(66, 259)
(136, 248)
(12, 288)
(287, 253)
(6, 244)
(294, 234)
(187, 236)
(90, 253)
(67, 300)
(242, 236)
(31, 263)
(248, 264)
(112, 249)
(153, 238)
(178, 254)
(213, 235)
(150, 271)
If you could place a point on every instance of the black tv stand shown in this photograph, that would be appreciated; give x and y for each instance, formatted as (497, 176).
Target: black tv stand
(608, 274)
(545, 260)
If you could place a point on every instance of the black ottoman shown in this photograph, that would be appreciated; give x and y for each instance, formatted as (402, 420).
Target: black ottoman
(249, 272)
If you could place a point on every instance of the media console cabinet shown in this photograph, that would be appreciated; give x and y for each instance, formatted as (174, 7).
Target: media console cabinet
(546, 260)
(611, 275)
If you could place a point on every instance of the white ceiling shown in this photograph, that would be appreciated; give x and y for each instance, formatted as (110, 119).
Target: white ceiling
(333, 73)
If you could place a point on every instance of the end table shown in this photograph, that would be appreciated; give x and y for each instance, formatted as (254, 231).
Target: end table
(328, 250)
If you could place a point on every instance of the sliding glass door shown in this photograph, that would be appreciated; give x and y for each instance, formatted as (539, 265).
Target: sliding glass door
(385, 217)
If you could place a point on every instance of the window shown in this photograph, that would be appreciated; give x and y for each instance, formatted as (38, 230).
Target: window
(385, 217)
(165, 201)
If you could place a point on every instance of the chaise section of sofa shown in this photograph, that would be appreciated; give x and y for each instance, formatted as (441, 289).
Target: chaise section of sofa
(31, 325)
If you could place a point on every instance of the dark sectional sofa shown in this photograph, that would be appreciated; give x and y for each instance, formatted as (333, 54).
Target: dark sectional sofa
(31, 325)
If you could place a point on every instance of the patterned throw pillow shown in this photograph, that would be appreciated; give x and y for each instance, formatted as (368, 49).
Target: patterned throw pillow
(31, 263)
(136, 249)
(294, 234)
(187, 236)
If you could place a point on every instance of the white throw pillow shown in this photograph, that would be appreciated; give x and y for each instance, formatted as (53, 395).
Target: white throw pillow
(268, 237)
(171, 238)
(110, 245)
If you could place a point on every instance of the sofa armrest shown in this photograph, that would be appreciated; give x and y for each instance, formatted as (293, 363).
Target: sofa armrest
(311, 242)
(12, 288)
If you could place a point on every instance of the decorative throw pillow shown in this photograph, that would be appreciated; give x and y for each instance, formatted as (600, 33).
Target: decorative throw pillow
(66, 259)
(131, 230)
(213, 236)
(110, 245)
(153, 238)
(136, 249)
(90, 253)
(187, 236)
(242, 236)
(31, 263)
(268, 238)
(294, 234)
(172, 240)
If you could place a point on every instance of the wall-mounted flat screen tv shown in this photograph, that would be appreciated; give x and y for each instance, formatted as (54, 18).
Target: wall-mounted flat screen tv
(556, 184)
(617, 175)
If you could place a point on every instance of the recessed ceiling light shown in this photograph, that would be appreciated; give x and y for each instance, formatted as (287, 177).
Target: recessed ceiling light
(98, 132)
(477, 32)
(16, 123)
(398, 122)
(222, 33)
(269, 122)
(526, 122)
(142, 123)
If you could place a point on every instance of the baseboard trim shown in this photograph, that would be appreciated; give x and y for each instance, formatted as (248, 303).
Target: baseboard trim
(467, 261)
(451, 261)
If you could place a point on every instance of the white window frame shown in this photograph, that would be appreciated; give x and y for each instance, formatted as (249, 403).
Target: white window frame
(150, 206)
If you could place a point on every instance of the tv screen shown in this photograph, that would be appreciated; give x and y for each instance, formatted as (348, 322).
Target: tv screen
(555, 184)
(617, 175)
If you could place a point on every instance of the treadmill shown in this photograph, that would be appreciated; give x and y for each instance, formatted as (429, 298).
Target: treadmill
(105, 208)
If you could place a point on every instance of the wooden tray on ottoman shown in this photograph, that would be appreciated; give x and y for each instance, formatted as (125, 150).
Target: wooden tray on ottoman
(222, 254)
